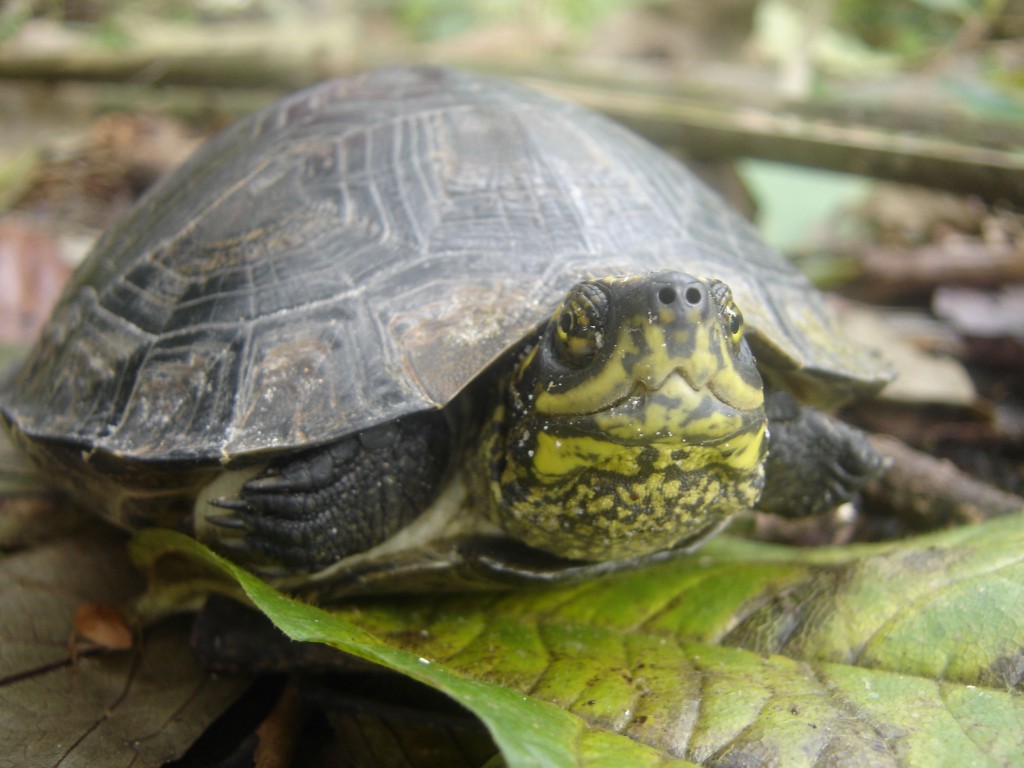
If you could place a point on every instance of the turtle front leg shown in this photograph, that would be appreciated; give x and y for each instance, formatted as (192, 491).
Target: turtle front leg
(320, 506)
(815, 462)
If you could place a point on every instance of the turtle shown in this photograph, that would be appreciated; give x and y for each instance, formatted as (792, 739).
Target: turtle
(422, 328)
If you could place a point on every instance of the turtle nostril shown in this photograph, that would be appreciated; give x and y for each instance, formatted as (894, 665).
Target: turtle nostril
(693, 295)
(667, 295)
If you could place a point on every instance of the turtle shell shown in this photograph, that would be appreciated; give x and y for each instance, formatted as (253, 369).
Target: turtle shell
(362, 250)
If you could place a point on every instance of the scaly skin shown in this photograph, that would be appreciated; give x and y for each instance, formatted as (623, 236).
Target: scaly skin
(635, 424)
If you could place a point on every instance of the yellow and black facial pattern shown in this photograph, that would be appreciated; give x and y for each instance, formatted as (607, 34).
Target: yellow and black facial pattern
(635, 424)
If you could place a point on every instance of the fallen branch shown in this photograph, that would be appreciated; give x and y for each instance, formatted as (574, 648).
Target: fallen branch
(929, 493)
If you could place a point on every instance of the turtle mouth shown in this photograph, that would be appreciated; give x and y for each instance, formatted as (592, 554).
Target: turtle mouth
(714, 386)
(673, 409)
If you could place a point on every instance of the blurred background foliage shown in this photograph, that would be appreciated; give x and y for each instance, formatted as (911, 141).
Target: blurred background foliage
(910, 31)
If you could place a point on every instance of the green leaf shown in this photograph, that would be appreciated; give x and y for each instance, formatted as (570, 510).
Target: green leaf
(899, 654)
(528, 731)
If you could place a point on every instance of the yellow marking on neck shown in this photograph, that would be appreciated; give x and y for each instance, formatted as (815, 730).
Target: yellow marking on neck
(555, 457)
(751, 449)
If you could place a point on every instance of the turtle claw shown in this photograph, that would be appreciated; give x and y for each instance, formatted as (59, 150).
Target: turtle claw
(227, 520)
(228, 502)
(271, 484)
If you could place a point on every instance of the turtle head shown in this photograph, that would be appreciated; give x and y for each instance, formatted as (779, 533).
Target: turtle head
(635, 424)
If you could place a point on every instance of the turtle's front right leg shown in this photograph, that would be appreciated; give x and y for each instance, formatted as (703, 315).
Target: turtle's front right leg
(320, 506)
(815, 462)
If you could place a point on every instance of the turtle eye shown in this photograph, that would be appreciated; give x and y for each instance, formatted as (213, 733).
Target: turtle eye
(734, 323)
(579, 324)
(566, 323)
(732, 318)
